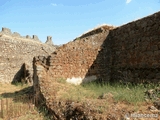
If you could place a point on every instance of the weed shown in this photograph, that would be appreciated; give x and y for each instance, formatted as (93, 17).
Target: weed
(128, 92)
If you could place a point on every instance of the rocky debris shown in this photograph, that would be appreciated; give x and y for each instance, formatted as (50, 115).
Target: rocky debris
(153, 109)
(153, 94)
(157, 104)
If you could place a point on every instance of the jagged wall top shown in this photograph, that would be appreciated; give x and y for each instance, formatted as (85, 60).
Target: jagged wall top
(8, 32)
(97, 30)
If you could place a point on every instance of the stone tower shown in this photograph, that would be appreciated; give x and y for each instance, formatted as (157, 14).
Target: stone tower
(49, 40)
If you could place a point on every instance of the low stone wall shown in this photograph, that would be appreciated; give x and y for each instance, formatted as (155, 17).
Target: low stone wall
(39, 76)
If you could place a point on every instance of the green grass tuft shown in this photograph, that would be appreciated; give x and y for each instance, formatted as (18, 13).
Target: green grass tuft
(128, 92)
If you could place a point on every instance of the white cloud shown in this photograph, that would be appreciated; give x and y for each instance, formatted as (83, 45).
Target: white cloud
(53, 4)
(128, 1)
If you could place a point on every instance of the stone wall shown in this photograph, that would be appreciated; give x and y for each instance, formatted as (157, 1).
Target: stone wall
(131, 53)
(127, 53)
(136, 50)
(73, 60)
(97, 30)
(16, 55)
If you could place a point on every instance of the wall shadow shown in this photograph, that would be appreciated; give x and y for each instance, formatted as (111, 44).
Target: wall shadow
(102, 65)
(19, 75)
(130, 53)
(23, 95)
(23, 75)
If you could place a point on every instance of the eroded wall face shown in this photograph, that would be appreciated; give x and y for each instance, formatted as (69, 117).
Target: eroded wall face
(128, 53)
(15, 52)
(73, 60)
(136, 50)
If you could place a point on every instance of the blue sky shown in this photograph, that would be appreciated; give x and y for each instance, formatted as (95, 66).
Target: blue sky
(65, 20)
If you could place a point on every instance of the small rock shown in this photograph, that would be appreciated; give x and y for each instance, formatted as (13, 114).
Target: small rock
(157, 104)
(152, 108)
(105, 96)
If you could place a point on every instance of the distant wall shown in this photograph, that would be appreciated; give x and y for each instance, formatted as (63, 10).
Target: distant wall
(8, 32)
(16, 55)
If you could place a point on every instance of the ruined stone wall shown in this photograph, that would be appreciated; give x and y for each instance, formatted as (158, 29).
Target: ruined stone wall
(131, 53)
(15, 51)
(135, 50)
(97, 30)
(73, 60)
(128, 53)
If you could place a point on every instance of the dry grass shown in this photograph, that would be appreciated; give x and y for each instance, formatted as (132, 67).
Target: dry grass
(127, 93)
(8, 88)
(103, 98)
(106, 97)
(11, 90)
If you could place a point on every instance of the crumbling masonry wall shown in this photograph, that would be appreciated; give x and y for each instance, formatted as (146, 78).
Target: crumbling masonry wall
(127, 53)
(73, 60)
(131, 53)
(16, 55)
(135, 50)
